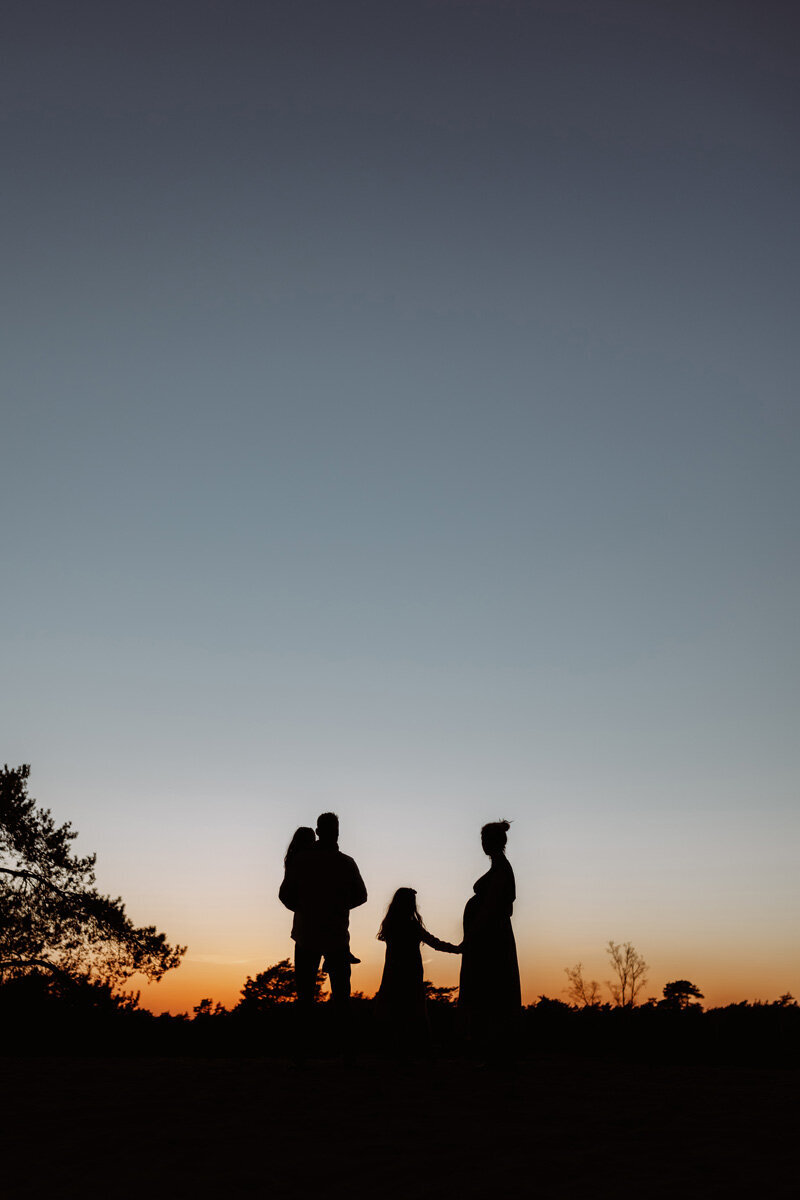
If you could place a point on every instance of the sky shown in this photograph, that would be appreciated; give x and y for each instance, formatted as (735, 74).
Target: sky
(399, 415)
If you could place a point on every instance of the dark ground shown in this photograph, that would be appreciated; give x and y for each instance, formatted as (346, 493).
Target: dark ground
(181, 1127)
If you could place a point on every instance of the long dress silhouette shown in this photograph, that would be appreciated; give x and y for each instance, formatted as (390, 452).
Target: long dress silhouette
(400, 1004)
(489, 991)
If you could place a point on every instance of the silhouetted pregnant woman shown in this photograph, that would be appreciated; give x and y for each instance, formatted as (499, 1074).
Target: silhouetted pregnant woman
(489, 991)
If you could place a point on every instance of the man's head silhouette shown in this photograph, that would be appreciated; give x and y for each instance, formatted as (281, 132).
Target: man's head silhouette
(328, 829)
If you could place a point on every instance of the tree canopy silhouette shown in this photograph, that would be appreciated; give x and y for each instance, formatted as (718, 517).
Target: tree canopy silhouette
(439, 995)
(274, 985)
(680, 993)
(52, 916)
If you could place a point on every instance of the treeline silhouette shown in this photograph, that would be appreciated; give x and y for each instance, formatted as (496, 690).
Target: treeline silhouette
(67, 952)
(45, 1015)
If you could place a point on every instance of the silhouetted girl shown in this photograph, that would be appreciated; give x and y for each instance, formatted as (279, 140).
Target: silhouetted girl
(400, 1004)
(302, 839)
(489, 991)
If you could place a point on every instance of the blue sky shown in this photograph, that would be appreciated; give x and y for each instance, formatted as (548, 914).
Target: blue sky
(399, 413)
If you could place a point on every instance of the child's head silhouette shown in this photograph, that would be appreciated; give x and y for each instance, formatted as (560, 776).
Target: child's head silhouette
(402, 910)
(302, 839)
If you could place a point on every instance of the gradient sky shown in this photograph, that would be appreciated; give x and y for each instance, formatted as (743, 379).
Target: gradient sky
(399, 417)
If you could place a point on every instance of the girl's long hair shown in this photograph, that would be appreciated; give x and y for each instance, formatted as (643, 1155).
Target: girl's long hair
(302, 839)
(402, 911)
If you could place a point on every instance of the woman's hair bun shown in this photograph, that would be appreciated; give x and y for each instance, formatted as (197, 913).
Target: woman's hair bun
(494, 834)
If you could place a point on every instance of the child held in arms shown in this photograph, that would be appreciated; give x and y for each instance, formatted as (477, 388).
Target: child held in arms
(303, 840)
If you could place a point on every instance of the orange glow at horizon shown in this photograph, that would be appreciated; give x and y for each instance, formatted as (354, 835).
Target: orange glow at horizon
(181, 990)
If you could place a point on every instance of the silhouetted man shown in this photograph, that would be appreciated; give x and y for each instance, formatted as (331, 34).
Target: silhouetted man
(321, 885)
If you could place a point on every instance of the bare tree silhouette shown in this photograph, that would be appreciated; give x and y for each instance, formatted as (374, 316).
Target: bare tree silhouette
(630, 970)
(582, 993)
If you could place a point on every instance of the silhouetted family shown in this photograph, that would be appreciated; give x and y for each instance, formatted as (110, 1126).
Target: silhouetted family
(321, 885)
